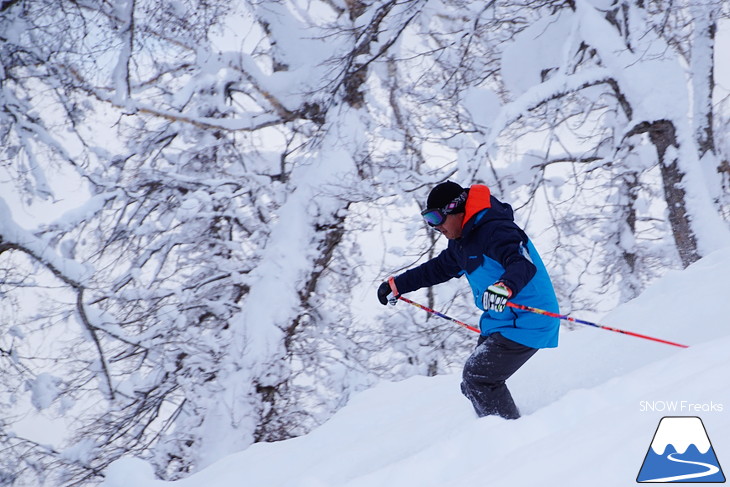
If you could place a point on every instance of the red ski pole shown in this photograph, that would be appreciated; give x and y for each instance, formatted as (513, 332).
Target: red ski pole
(440, 315)
(583, 322)
(546, 313)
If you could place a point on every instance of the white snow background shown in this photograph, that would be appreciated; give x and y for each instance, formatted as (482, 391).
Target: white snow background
(587, 410)
(585, 419)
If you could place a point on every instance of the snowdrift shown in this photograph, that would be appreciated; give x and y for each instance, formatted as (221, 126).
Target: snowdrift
(590, 410)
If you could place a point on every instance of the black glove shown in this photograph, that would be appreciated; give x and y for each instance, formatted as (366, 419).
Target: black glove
(385, 294)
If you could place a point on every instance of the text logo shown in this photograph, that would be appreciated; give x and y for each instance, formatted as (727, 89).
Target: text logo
(680, 452)
(681, 407)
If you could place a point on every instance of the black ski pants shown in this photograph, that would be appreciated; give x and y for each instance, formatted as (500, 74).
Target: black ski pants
(493, 361)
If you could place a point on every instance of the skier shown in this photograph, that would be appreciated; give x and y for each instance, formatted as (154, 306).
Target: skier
(500, 263)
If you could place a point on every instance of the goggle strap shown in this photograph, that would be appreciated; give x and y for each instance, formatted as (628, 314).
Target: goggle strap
(455, 203)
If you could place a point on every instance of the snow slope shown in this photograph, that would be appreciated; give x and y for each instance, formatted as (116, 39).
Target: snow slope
(590, 410)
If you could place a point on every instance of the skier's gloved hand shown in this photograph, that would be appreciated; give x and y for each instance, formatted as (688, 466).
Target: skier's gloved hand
(496, 296)
(386, 294)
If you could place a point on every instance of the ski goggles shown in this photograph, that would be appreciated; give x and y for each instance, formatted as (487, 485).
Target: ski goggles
(434, 217)
(437, 216)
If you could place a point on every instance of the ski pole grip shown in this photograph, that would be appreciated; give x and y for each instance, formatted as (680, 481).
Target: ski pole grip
(393, 287)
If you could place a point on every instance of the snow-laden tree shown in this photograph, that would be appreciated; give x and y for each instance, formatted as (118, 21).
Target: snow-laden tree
(232, 157)
(595, 119)
(221, 148)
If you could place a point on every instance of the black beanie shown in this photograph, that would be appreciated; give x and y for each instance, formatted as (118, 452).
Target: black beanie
(443, 194)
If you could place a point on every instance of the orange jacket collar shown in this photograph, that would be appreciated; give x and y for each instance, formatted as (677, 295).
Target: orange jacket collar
(478, 200)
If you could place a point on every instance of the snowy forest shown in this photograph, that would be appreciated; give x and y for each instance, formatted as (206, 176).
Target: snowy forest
(199, 198)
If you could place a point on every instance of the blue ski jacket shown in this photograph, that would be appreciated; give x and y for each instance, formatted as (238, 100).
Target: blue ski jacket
(493, 248)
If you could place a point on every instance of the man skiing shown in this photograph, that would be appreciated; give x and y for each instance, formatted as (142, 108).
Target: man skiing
(500, 263)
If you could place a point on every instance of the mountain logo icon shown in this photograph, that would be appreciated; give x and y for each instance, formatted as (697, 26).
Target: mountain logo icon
(681, 452)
